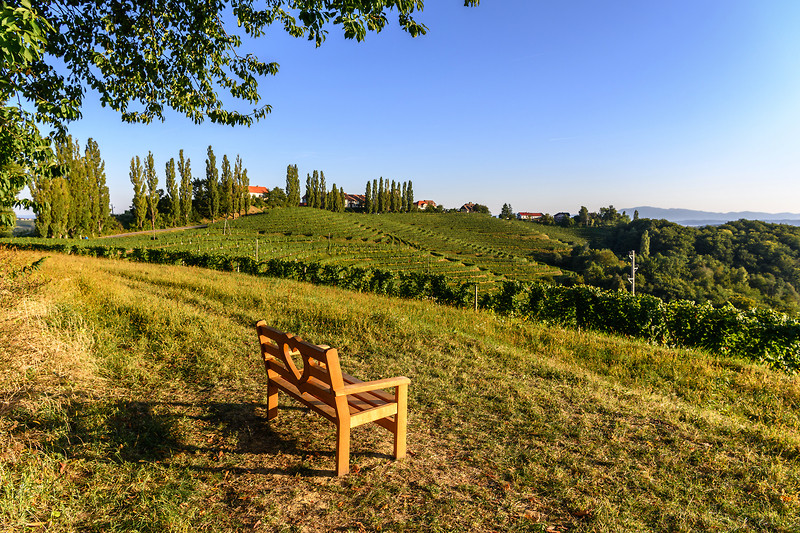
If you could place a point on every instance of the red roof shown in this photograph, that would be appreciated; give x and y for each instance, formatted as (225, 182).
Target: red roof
(526, 214)
(257, 190)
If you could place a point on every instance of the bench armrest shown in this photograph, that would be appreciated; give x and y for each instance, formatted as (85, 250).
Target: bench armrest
(355, 388)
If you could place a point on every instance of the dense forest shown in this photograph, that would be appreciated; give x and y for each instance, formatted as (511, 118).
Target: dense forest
(745, 263)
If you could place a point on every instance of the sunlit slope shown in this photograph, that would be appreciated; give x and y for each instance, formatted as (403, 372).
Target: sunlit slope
(140, 406)
(465, 248)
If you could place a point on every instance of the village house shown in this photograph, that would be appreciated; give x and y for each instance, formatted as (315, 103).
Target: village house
(422, 205)
(524, 215)
(559, 217)
(256, 191)
(467, 208)
(354, 201)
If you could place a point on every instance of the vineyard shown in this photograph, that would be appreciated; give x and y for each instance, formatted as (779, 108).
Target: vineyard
(463, 248)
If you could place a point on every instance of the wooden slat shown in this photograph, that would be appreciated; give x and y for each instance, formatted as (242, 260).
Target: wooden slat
(383, 395)
(372, 386)
(319, 406)
(372, 415)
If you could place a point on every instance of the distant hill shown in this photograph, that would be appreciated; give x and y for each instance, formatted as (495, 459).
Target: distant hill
(689, 217)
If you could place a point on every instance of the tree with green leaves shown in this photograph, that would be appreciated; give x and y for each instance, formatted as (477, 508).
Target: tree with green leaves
(583, 216)
(368, 198)
(292, 186)
(644, 245)
(226, 188)
(42, 191)
(410, 197)
(100, 199)
(277, 198)
(381, 197)
(333, 195)
(142, 58)
(375, 202)
(309, 191)
(68, 157)
(139, 195)
(506, 212)
(212, 184)
(247, 200)
(236, 192)
(323, 191)
(151, 179)
(185, 172)
(172, 192)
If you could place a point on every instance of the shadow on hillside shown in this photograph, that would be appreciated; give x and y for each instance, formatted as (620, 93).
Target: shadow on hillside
(125, 431)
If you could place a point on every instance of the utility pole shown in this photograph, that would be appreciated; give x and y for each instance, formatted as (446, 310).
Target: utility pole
(634, 268)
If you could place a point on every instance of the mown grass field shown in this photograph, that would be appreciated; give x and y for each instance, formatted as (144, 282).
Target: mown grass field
(131, 398)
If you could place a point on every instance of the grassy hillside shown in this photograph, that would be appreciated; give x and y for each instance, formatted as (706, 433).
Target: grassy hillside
(132, 399)
(463, 247)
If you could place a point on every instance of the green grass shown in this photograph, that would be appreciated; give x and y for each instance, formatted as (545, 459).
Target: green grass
(465, 248)
(133, 400)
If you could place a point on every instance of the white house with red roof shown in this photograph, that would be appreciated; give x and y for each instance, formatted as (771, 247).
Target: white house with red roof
(256, 191)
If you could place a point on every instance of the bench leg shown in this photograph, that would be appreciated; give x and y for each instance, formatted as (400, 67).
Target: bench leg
(401, 420)
(272, 400)
(342, 449)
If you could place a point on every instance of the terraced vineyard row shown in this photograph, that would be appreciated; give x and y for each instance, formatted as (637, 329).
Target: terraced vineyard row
(465, 248)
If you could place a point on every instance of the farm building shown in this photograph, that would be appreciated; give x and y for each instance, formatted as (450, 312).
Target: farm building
(524, 215)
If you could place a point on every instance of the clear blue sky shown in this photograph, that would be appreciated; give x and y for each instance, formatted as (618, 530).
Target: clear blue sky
(546, 105)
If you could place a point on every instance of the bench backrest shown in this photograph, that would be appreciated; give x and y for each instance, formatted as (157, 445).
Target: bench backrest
(320, 375)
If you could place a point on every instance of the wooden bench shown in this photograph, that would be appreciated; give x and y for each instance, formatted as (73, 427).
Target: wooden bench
(344, 400)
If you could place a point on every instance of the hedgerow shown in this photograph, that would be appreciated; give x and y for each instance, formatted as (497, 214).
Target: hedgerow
(761, 335)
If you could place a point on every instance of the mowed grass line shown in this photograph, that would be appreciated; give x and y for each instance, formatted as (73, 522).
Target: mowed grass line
(513, 426)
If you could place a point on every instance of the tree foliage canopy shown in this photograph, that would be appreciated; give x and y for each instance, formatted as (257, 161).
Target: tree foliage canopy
(145, 57)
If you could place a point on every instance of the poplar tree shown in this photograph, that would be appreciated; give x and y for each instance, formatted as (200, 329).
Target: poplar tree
(226, 187)
(185, 171)
(292, 186)
(395, 200)
(410, 197)
(174, 195)
(342, 200)
(100, 197)
(323, 191)
(404, 198)
(246, 198)
(68, 155)
(317, 192)
(236, 192)
(381, 197)
(212, 184)
(309, 191)
(60, 208)
(333, 198)
(368, 198)
(375, 200)
(151, 178)
(139, 197)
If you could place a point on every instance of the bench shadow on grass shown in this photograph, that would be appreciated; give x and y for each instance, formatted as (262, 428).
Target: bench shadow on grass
(125, 431)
